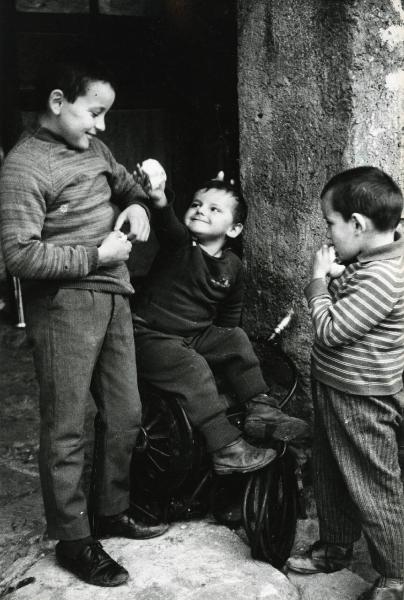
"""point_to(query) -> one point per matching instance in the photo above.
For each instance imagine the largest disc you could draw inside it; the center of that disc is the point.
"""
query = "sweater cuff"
(142, 204)
(92, 257)
(316, 287)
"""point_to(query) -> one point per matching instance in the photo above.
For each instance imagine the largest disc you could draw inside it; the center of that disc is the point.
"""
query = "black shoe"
(241, 457)
(321, 558)
(93, 565)
(123, 525)
(383, 593)
(264, 421)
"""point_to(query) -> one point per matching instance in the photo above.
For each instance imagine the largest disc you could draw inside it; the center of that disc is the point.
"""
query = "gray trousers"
(357, 479)
(83, 340)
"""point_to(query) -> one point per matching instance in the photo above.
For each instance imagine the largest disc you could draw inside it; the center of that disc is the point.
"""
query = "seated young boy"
(187, 317)
(357, 366)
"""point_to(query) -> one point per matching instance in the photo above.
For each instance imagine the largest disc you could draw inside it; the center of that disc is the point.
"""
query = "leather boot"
(379, 592)
(321, 557)
(241, 457)
(264, 420)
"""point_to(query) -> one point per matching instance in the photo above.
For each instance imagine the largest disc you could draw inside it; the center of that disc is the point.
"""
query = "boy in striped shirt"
(357, 366)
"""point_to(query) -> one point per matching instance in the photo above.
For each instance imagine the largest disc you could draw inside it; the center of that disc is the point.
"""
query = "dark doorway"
(175, 64)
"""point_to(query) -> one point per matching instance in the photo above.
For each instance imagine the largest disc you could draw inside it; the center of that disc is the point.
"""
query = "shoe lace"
(98, 552)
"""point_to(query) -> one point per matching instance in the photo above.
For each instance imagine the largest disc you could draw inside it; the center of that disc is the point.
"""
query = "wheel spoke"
(155, 463)
(158, 451)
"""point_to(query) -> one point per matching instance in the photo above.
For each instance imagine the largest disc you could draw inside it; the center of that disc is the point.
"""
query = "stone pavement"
(198, 560)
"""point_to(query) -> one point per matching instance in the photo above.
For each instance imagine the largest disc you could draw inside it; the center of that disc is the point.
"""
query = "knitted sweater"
(359, 324)
(55, 209)
(187, 289)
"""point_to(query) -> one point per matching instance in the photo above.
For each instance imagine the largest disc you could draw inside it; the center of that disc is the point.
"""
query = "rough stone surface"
(343, 585)
(198, 560)
(320, 90)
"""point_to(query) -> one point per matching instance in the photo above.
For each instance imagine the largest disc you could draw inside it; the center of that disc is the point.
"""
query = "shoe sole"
(313, 570)
(258, 429)
(229, 470)
(105, 536)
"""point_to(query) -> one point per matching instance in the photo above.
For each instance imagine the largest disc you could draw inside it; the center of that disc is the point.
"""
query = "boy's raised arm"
(369, 296)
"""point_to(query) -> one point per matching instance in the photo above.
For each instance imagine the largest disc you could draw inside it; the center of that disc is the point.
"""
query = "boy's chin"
(80, 144)
(195, 229)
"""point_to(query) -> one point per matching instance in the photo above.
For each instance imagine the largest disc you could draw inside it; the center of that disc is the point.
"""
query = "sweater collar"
(46, 135)
(386, 252)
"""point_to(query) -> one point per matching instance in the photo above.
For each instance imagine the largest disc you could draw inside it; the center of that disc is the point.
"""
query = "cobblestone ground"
(21, 520)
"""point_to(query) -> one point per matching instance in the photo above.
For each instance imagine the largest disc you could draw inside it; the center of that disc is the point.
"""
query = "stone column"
(320, 90)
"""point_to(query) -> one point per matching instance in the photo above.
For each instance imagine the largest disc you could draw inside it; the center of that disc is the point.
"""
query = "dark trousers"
(83, 340)
(357, 481)
(183, 366)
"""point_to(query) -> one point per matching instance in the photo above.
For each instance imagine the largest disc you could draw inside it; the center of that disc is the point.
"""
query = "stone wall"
(319, 91)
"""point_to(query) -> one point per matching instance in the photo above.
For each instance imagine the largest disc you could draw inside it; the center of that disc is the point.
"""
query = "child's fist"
(115, 248)
(155, 172)
(152, 178)
(336, 270)
(325, 263)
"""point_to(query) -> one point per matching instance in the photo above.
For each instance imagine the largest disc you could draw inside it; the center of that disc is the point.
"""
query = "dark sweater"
(55, 209)
(187, 289)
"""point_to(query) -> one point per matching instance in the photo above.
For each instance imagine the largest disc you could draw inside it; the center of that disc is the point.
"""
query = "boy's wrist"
(316, 287)
(159, 201)
(318, 274)
(167, 201)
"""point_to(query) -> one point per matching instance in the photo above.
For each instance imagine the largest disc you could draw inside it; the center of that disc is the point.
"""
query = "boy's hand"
(115, 248)
(324, 263)
(139, 224)
(152, 178)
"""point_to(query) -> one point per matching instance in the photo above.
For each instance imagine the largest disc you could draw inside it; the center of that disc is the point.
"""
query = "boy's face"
(211, 215)
(78, 121)
(344, 235)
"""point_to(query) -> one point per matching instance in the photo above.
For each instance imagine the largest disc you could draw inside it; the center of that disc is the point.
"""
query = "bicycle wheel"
(269, 511)
(164, 451)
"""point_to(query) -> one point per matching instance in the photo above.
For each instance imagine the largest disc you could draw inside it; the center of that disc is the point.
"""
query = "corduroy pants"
(183, 366)
(357, 481)
(83, 340)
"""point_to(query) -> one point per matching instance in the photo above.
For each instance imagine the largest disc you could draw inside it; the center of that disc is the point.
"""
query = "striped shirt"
(55, 210)
(359, 324)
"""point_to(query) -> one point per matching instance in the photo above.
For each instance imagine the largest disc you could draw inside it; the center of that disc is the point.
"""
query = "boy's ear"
(360, 222)
(55, 102)
(234, 230)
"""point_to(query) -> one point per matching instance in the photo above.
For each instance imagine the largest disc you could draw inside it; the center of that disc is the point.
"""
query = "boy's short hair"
(240, 209)
(71, 76)
(368, 191)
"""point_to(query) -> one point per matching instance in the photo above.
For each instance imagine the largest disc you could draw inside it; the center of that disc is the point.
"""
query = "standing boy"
(357, 366)
(56, 189)
(187, 322)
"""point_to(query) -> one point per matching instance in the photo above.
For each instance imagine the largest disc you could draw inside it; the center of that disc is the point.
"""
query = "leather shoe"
(264, 420)
(93, 565)
(321, 558)
(241, 457)
(123, 525)
(383, 593)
